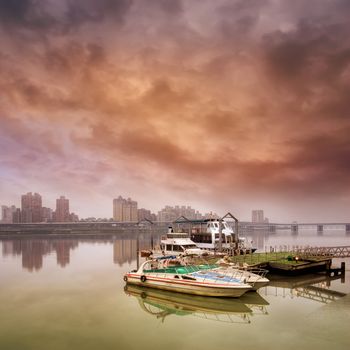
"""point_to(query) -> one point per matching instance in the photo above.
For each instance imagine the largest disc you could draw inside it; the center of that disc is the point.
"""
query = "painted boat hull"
(188, 287)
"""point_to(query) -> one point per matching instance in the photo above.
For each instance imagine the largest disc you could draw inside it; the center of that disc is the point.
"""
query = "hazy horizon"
(224, 106)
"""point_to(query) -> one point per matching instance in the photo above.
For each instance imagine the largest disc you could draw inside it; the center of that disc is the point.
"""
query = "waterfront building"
(125, 210)
(258, 216)
(31, 208)
(62, 210)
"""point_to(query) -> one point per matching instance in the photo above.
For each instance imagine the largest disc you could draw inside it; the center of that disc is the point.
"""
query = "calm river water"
(61, 293)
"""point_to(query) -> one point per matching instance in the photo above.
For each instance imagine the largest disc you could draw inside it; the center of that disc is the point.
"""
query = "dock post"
(342, 272)
(138, 252)
(342, 267)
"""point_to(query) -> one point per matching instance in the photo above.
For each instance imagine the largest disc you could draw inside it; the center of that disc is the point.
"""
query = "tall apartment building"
(62, 210)
(125, 210)
(258, 216)
(31, 208)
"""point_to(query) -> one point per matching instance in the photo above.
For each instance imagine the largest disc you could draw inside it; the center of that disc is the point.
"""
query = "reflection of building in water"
(62, 249)
(124, 251)
(34, 250)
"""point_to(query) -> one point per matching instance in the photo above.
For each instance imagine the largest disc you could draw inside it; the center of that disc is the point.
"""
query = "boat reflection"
(164, 303)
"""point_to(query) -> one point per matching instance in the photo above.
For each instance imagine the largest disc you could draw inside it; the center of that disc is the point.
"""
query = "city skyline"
(223, 106)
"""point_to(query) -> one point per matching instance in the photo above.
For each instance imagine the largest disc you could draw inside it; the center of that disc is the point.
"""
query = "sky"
(225, 105)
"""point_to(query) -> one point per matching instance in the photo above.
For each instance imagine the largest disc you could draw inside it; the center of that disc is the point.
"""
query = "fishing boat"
(167, 273)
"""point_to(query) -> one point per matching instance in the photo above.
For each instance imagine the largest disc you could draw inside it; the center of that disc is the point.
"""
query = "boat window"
(176, 276)
(177, 248)
(201, 238)
(169, 247)
(216, 225)
(222, 237)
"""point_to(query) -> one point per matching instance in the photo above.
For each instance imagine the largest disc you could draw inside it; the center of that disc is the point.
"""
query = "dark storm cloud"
(25, 14)
(41, 17)
(82, 11)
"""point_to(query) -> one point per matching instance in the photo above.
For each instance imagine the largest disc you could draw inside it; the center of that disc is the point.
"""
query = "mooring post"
(137, 252)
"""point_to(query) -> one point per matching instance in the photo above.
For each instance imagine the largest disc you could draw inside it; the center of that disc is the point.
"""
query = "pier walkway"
(334, 252)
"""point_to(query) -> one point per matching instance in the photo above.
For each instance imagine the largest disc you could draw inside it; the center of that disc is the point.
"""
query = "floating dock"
(288, 263)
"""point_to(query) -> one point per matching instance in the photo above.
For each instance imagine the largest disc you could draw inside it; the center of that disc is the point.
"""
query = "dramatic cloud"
(224, 105)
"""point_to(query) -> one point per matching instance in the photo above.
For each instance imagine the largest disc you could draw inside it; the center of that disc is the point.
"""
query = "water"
(68, 294)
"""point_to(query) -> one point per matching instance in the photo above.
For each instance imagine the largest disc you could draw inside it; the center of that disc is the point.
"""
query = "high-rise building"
(125, 210)
(258, 216)
(62, 210)
(31, 207)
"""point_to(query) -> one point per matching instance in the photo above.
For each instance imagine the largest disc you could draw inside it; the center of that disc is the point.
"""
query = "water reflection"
(162, 304)
(34, 250)
(313, 287)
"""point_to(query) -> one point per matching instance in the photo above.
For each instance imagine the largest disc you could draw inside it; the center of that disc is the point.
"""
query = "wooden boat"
(197, 280)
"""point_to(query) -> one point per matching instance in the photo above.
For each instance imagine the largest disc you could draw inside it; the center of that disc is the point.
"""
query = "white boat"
(255, 277)
(177, 243)
(206, 235)
(199, 280)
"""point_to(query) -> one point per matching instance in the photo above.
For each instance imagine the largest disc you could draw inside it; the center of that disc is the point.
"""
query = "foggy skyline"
(221, 105)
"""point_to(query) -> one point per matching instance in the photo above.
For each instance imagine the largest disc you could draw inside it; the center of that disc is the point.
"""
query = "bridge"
(293, 227)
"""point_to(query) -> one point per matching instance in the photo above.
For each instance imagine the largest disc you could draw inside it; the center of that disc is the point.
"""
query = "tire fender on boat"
(125, 278)
(143, 278)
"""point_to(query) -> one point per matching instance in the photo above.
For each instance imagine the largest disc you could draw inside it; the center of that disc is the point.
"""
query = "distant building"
(31, 208)
(73, 217)
(62, 210)
(211, 215)
(7, 213)
(258, 216)
(46, 214)
(168, 213)
(125, 210)
(17, 216)
(146, 214)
